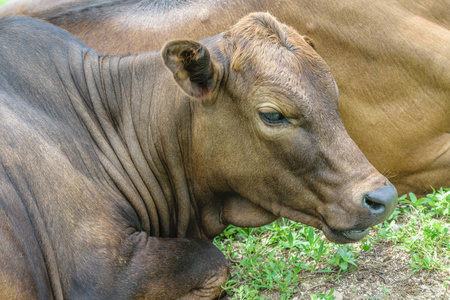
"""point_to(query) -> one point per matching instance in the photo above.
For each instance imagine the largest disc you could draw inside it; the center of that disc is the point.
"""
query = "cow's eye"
(273, 117)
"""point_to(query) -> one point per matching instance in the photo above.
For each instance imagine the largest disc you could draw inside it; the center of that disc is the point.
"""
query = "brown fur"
(387, 59)
(116, 170)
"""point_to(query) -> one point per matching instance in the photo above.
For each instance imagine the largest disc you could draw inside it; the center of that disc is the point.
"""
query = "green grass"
(425, 232)
(277, 256)
(3, 2)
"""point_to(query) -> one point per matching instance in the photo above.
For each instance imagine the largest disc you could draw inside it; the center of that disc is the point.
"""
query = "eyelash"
(273, 118)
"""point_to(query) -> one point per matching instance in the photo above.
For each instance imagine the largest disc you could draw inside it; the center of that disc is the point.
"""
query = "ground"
(383, 273)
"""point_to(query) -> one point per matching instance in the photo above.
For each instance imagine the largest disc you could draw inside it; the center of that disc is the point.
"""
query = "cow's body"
(114, 171)
(390, 60)
(76, 214)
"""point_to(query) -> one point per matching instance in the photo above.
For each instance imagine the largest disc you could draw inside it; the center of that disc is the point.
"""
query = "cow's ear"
(310, 41)
(191, 66)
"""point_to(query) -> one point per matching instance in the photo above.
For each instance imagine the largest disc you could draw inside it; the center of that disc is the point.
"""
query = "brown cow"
(115, 171)
(390, 60)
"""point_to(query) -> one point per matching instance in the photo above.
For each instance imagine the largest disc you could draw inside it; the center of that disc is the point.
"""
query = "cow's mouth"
(355, 235)
(343, 236)
(347, 236)
(332, 233)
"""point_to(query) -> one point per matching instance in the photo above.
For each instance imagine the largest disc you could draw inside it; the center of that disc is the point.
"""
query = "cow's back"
(47, 158)
(26, 7)
(42, 88)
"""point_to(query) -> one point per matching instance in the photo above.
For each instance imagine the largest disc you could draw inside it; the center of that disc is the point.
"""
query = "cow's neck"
(142, 127)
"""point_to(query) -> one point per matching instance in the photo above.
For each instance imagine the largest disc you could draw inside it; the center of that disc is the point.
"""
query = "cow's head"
(267, 138)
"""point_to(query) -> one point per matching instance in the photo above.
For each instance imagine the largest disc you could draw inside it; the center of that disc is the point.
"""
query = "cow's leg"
(145, 267)
(177, 268)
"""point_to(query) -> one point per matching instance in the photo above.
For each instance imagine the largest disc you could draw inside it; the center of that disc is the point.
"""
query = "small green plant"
(329, 296)
(439, 202)
(244, 292)
(446, 285)
(313, 246)
(344, 258)
(366, 244)
(434, 204)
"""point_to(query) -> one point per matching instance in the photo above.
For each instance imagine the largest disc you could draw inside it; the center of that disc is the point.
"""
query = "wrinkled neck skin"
(140, 123)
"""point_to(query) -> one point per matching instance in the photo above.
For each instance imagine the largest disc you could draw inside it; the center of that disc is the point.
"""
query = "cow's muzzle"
(377, 205)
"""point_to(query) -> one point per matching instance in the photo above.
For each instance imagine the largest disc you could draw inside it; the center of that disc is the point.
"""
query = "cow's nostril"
(382, 202)
(373, 206)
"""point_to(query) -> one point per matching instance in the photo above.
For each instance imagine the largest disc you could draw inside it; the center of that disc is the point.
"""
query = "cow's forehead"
(259, 40)
(262, 49)
(297, 79)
